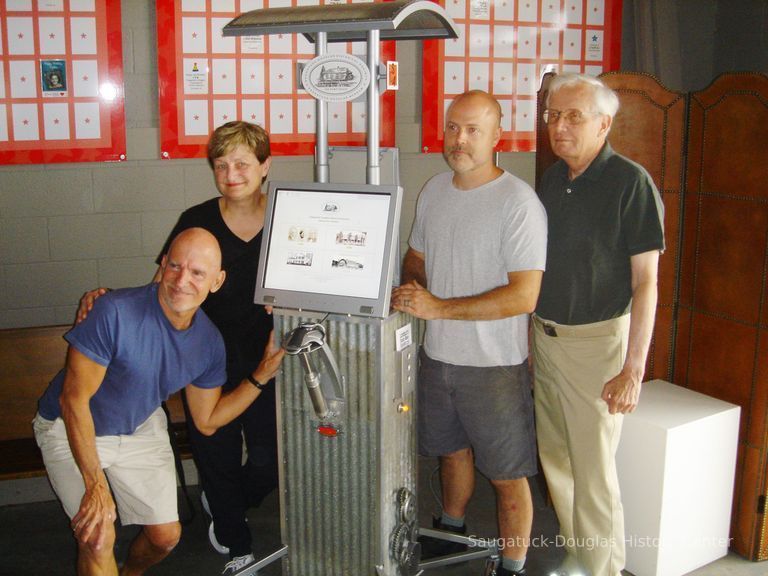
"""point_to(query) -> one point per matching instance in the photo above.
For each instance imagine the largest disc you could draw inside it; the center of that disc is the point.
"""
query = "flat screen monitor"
(329, 247)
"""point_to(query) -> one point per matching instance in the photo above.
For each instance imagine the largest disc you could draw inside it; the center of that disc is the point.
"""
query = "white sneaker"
(220, 548)
(237, 564)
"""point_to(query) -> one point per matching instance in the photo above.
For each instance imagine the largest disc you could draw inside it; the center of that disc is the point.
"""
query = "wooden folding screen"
(649, 129)
(722, 339)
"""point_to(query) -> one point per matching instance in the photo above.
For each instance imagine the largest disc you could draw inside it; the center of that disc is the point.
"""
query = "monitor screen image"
(329, 247)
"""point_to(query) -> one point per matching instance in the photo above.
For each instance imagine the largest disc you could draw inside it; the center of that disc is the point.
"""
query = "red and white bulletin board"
(505, 47)
(207, 80)
(61, 81)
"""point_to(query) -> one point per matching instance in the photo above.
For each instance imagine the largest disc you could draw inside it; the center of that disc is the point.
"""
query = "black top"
(244, 325)
(596, 222)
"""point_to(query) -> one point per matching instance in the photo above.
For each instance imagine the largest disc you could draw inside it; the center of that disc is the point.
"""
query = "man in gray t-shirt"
(473, 271)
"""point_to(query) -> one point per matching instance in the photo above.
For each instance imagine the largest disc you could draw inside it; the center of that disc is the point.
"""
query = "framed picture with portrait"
(53, 77)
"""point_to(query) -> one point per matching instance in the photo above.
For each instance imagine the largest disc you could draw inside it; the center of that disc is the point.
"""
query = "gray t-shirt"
(470, 240)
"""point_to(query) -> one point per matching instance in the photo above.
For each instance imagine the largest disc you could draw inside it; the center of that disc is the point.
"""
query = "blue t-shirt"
(147, 359)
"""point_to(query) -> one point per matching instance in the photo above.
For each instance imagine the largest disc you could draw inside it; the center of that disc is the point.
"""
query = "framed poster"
(206, 80)
(505, 47)
(61, 81)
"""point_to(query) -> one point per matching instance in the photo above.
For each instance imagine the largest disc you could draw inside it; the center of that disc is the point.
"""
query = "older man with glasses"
(594, 318)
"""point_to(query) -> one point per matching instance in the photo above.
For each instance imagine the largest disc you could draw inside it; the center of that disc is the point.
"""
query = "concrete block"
(48, 284)
(144, 50)
(128, 62)
(138, 188)
(293, 168)
(521, 164)
(124, 272)
(141, 103)
(138, 13)
(45, 192)
(24, 317)
(95, 236)
(416, 169)
(23, 240)
(408, 138)
(65, 314)
(407, 215)
(198, 183)
(408, 99)
(155, 227)
(142, 143)
(3, 289)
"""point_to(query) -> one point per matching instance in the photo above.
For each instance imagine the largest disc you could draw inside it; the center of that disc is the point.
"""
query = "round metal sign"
(336, 77)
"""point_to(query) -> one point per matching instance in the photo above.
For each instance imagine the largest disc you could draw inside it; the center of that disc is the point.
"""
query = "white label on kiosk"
(403, 338)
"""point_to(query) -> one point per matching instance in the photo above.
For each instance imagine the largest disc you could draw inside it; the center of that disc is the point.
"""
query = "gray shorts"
(487, 409)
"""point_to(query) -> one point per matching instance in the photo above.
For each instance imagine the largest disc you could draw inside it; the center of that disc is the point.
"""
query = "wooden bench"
(29, 359)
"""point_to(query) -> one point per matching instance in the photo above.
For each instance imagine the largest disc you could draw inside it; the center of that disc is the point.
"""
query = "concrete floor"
(36, 540)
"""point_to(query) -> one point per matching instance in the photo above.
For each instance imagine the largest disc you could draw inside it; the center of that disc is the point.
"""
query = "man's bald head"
(190, 271)
(472, 131)
(200, 240)
(479, 98)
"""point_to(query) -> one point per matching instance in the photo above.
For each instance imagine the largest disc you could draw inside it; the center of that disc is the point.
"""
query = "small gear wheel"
(406, 505)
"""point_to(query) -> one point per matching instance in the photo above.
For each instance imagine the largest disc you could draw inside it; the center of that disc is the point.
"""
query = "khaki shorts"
(140, 469)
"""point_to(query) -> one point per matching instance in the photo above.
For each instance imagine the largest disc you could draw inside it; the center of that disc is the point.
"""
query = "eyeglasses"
(572, 116)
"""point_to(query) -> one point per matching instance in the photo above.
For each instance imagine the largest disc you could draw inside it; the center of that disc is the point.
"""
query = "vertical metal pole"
(322, 170)
(372, 168)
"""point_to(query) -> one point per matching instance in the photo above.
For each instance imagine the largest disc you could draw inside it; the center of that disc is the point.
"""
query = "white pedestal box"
(676, 464)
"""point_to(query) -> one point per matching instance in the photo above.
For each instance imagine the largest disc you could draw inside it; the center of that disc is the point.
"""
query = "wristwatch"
(255, 382)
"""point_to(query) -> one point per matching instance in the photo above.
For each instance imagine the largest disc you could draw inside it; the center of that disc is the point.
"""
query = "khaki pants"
(578, 438)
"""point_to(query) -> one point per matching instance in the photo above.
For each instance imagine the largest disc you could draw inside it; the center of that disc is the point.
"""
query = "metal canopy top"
(400, 20)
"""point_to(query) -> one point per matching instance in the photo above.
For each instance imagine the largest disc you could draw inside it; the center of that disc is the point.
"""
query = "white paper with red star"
(505, 47)
(52, 35)
(79, 115)
(206, 80)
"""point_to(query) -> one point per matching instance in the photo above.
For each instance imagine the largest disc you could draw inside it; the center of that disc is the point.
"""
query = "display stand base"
(490, 552)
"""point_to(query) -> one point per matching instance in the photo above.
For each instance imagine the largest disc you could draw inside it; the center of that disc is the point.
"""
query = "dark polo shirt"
(596, 222)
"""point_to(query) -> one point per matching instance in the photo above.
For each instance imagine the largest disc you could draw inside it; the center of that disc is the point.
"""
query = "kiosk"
(345, 400)
(346, 395)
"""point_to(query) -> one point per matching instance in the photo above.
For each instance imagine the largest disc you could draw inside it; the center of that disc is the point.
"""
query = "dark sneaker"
(434, 547)
(501, 571)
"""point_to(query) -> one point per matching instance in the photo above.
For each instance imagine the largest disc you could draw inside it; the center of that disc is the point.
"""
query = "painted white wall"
(65, 228)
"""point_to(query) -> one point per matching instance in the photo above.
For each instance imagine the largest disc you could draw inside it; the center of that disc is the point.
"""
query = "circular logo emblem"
(336, 77)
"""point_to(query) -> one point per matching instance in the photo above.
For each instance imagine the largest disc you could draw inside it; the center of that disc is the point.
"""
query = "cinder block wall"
(65, 228)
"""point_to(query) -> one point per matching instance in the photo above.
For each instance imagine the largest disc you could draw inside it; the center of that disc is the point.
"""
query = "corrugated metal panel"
(338, 494)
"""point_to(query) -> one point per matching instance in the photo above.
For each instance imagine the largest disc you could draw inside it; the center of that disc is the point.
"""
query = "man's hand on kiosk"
(86, 303)
(416, 300)
(96, 515)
